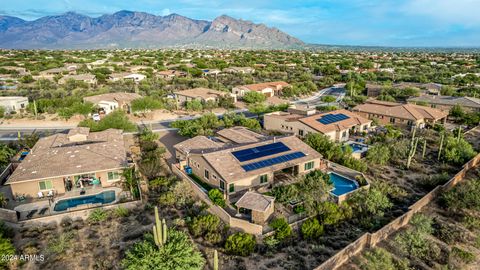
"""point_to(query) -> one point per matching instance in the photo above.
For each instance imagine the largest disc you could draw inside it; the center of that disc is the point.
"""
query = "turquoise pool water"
(356, 147)
(342, 184)
(103, 198)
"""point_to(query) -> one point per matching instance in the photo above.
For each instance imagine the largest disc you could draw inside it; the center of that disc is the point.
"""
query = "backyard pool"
(342, 184)
(358, 147)
(103, 198)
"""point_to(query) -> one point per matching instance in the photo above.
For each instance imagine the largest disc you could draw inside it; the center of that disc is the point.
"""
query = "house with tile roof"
(63, 163)
(112, 101)
(401, 115)
(237, 168)
(201, 94)
(336, 125)
(269, 89)
(446, 103)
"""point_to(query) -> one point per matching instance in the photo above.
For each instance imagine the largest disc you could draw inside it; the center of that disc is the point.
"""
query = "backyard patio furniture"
(40, 194)
(50, 193)
(42, 212)
(82, 191)
(31, 213)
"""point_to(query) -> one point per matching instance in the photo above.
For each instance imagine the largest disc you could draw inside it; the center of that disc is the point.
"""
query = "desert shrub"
(370, 202)
(179, 253)
(207, 226)
(422, 224)
(240, 243)
(466, 195)
(414, 245)
(182, 193)
(471, 222)
(282, 229)
(97, 215)
(271, 242)
(121, 211)
(329, 213)
(254, 97)
(61, 243)
(464, 256)
(378, 259)
(457, 151)
(167, 199)
(311, 229)
(216, 196)
(448, 233)
(6, 231)
(431, 181)
(378, 154)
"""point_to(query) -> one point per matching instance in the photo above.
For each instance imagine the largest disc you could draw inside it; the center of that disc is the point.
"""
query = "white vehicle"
(96, 117)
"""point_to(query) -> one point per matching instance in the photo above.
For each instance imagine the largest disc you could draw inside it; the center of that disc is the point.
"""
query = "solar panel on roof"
(332, 118)
(260, 151)
(272, 161)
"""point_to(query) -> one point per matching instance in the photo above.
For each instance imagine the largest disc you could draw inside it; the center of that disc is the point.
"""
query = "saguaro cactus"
(157, 230)
(412, 152)
(215, 260)
(441, 146)
(424, 147)
(164, 231)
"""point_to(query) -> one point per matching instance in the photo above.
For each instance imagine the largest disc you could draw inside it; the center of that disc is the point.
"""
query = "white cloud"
(166, 11)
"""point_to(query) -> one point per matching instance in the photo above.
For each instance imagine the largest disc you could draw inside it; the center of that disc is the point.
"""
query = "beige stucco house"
(237, 168)
(62, 163)
(401, 115)
(269, 89)
(14, 104)
(201, 94)
(112, 101)
(336, 125)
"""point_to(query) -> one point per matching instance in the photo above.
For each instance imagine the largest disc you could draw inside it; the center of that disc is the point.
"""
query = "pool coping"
(90, 205)
(354, 181)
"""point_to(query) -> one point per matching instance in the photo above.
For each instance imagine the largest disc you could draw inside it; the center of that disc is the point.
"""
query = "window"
(45, 185)
(300, 132)
(344, 134)
(231, 188)
(263, 178)
(222, 185)
(207, 174)
(392, 120)
(113, 176)
(309, 165)
(214, 176)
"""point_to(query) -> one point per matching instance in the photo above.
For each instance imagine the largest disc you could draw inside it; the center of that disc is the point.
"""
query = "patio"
(33, 208)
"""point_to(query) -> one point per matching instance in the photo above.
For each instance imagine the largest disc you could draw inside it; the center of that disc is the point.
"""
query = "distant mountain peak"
(131, 29)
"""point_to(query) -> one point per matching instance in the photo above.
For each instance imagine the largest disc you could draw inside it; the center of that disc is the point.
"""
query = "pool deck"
(25, 208)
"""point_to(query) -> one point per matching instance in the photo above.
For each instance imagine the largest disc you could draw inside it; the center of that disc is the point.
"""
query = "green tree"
(328, 99)
(378, 154)
(378, 259)
(370, 202)
(194, 105)
(178, 253)
(281, 228)
(241, 244)
(458, 150)
(146, 104)
(311, 229)
(6, 153)
(216, 196)
(116, 119)
(254, 97)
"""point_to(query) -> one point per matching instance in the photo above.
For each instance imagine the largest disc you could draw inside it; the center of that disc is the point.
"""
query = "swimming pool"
(103, 198)
(357, 147)
(342, 184)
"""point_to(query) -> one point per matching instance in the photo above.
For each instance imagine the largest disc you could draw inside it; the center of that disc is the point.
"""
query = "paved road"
(337, 91)
(11, 134)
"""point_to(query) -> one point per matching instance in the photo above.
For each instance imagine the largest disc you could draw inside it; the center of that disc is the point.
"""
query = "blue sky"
(441, 23)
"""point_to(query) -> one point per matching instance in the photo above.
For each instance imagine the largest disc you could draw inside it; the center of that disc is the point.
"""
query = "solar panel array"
(332, 118)
(260, 151)
(272, 161)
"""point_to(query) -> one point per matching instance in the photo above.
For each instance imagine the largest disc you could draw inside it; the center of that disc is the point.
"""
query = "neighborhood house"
(336, 125)
(269, 89)
(77, 160)
(201, 94)
(401, 115)
(238, 168)
(112, 101)
(14, 104)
